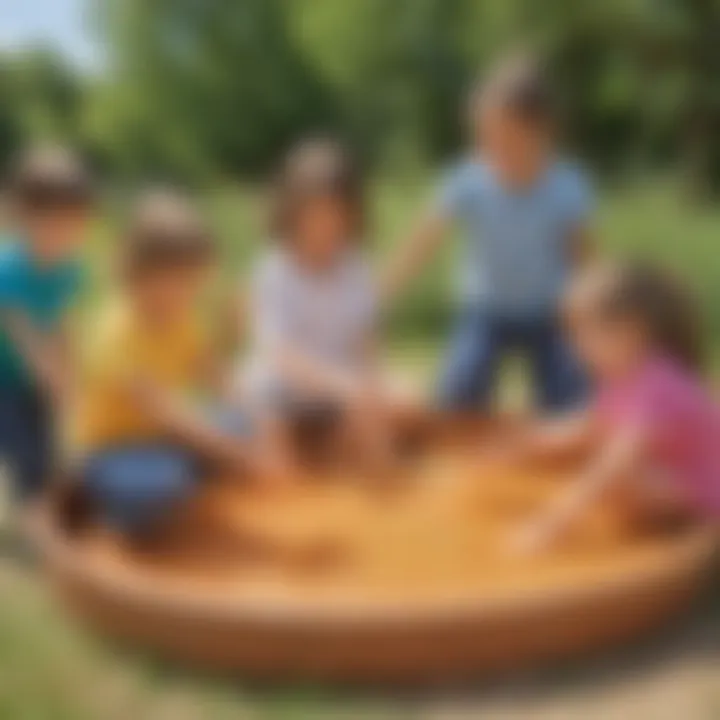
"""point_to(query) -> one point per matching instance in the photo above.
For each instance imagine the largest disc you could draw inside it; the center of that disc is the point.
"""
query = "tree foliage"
(201, 88)
(40, 99)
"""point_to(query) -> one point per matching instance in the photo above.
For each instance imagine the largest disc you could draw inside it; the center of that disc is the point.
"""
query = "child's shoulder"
(17, 262)
(464, 180)
(115, 329)
(274, 265)
(568, 172)
(670, 384)
(112, 321)
(13, 255)
(468, 168)
(105, 337)
(358, 265)
(661, 369)
(14, 268)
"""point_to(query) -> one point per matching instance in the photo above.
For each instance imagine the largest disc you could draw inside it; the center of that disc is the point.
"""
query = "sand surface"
(438, 529)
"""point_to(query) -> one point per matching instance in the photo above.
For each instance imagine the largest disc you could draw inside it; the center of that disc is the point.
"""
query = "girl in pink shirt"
(655, 427)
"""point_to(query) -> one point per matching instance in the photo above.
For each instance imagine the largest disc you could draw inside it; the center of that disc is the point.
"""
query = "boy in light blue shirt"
(40, 274)
(524, 214)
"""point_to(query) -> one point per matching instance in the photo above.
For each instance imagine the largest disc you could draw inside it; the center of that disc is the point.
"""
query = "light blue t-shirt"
(42, 293)
(516, 256)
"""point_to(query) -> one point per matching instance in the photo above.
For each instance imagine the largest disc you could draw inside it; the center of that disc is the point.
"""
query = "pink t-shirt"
(683, 424)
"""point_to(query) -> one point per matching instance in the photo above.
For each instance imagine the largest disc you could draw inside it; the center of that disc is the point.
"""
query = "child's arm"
(47, 354)
(564, 435)
(582, 246)
(183, 422)
(580, 205)
(450, 203)
(313, 373)
(529, 439)
(414, 254)
(619, 457)
(213, 374)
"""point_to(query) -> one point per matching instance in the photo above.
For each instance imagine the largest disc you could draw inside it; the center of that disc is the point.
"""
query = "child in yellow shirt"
(144, 444)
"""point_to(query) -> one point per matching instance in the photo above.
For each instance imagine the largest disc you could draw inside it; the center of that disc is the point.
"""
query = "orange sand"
(439, 532)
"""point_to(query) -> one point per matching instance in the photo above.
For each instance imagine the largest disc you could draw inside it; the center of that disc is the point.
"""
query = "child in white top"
(302, 317)
(312, 310)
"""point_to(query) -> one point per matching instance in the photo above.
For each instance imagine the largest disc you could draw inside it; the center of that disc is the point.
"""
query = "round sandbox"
(340, 580)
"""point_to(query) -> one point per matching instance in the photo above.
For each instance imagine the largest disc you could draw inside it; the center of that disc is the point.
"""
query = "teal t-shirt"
(42, 293)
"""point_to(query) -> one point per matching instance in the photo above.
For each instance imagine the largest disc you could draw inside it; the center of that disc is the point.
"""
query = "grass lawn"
(51, 670)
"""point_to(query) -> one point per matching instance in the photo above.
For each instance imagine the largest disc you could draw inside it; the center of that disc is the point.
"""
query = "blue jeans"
(478, 343)
(26, 440)
(135, 486)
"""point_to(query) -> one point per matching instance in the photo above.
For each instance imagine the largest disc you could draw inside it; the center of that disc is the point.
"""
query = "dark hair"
(664, 307)
(313, 169)
(520, 83)
(165, 232)
(46, 179)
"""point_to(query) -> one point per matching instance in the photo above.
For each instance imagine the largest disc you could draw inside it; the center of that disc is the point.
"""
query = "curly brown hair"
(313, 169)
(660, 303)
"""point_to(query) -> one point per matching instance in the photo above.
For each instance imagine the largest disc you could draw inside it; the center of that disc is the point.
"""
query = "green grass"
(51, 670)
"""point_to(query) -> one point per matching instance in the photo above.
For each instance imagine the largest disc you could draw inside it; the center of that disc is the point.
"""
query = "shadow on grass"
(693, 639)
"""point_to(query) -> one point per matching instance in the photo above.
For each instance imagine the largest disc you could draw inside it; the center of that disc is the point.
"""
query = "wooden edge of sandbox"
(687, 560)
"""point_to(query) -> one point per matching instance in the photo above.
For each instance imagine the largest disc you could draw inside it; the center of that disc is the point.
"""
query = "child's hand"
(533, 538)
(502, 454)
(350, 388)
(261, 472)
(271, 472)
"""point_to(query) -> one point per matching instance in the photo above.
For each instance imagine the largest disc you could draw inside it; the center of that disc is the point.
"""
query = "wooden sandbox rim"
(690, 555)
(378, 642)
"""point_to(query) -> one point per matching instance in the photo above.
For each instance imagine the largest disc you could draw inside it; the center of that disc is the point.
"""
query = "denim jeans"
(26, 440)
(479, 341)
(136, 485)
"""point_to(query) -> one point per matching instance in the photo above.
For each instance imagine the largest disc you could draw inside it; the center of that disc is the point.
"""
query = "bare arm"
(582, 246)
(311, 372)
(612, 464)
(560, 436)
(47, 354)
(183, 422)
(413, 255)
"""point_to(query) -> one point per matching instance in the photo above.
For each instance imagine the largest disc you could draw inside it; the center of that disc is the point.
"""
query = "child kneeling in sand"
(654, 424)
(313, 313)
(145, 445)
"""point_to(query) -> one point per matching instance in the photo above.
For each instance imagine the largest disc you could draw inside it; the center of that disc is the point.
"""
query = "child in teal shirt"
(40, 274)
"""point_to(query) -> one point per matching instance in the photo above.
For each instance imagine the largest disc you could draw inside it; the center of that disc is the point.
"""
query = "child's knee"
(135, 491)
(468, 373)
(463, 389)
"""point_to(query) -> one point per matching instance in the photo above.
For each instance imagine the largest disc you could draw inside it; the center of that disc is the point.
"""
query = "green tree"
(40, 99)
(204, 86)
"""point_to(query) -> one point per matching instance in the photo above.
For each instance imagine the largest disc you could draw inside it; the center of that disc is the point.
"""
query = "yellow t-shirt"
(123, 350)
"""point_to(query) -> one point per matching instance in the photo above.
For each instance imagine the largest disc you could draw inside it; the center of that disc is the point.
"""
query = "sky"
(61, 24)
